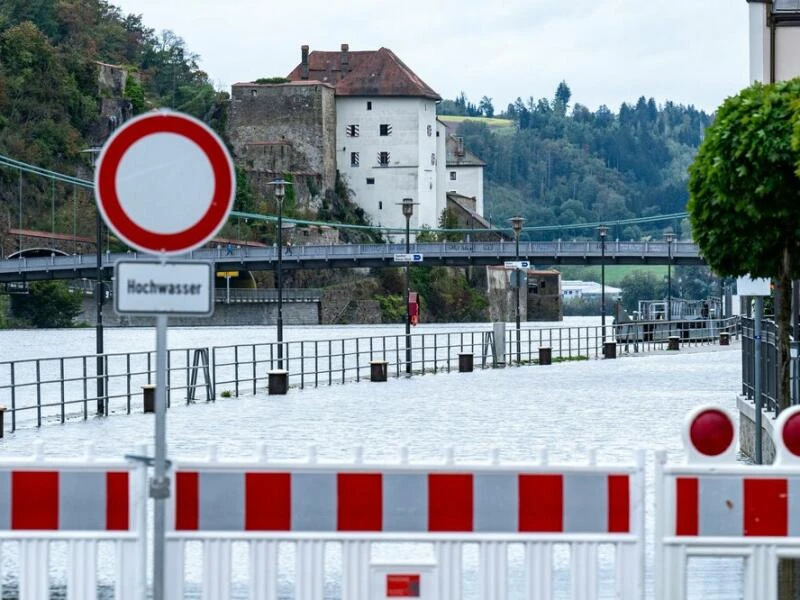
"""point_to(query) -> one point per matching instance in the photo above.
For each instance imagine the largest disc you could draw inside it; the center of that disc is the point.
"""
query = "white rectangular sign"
(146, 287)
(517, 264)
(408, 258)
(745, 286)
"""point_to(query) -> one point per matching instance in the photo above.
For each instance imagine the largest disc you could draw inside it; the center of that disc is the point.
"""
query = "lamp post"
(669, 237)
(408, 209)
(602, 231)
(280, 192)
(99, 293)
(516, 225)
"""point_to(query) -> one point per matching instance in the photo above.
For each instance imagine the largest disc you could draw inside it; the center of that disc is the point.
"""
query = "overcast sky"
(608, 51)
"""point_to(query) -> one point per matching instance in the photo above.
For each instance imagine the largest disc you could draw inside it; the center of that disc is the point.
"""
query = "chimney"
(345, 58)
(304, 62)
(459, 146)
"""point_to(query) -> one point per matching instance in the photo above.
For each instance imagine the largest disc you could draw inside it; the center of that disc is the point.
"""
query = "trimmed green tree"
(51, 304)
(744, 197)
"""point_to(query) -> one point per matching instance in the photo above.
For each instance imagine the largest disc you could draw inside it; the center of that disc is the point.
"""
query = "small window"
(380, 205)
(254, 92)
(386, 129)
(452, 175)
(383, 159)
(370, 181)
(430, 131)
(369, 105)
(351, 131)
(354, 159)
(542, 284)
(433, 159)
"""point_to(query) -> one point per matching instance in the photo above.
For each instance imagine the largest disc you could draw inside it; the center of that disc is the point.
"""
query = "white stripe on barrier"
(174, 552)
(264, 570)
(216, 569)
(493, 570)
(82, 569)
(448, 559)
(310, 570)
(539, 569)
(34, 581)
(355, 570)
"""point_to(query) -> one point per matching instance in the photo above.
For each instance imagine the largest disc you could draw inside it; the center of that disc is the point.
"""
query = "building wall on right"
(780, 20)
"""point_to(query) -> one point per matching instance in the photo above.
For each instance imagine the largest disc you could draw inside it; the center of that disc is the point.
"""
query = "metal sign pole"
(159, 484)
(759, 313)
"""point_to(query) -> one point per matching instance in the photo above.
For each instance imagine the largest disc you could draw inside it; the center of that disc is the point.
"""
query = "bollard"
(545, 355)
(465, 360)
(674, 343)
(278, 381)
(609, 349)
(724, 338)
(149, 398)
(378, 370)
(2, 427)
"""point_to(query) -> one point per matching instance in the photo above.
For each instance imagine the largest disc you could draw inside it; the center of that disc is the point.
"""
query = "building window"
(430, 131)
(254, 92)
(452, 175)
(370, 181)
(383, 159)
(386, 129)
(351, 131)
(369, 105)
(380, 205)
(354, 159)
(433, 159)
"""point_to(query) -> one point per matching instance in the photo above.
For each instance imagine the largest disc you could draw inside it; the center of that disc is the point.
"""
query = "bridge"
(348, 256)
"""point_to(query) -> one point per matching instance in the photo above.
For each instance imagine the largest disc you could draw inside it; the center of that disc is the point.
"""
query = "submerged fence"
(52, 390)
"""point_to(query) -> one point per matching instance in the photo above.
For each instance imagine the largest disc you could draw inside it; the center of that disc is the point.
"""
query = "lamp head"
(669, 237)
(280, 188)
(516, 224)
(408, 207)
(602, 231)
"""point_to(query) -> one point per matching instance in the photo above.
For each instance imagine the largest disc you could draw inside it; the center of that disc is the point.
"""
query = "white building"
(571, 289)
(389, 144)
(774, 40)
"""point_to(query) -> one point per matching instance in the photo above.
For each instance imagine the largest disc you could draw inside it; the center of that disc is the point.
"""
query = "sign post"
(164, 184)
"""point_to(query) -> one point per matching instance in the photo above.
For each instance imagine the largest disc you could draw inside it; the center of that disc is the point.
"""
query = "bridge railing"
(52, 390)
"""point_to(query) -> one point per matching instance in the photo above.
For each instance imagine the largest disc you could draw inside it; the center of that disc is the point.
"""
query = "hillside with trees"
(565, 164)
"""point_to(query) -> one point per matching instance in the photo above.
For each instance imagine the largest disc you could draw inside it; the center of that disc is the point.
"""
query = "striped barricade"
(448, 504)
(713, 506)
(83, 502)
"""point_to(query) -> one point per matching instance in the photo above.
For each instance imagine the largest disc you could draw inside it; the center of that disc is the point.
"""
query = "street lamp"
(516, 225)
(602, 231)
(280, 192)
(669, 237)
(408, 209)
(99, 293)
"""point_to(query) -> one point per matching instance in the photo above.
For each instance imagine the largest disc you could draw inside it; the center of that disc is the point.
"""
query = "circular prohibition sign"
(165, 183)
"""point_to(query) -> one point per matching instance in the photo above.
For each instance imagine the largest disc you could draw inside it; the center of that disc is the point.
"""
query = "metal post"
(408, 298)
(159, 484)
(759, 313)
(669, 236)
(280, 190)
(603, 231)
(99, 297)
(516, 224)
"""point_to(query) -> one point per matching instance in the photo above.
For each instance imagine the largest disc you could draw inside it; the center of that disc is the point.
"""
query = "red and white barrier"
(448, 504)
(82, 502)
(715, 506)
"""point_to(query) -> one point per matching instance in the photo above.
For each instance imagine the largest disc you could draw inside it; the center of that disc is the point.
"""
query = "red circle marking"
(711, 432)
(197, 233)
(791, 434)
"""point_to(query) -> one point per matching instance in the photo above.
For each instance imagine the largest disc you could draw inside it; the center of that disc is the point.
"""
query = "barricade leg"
(493, 570)
(629, 570)
(127, 584)
(448, 558)
(761, 573)
(671, 574)
(539, 569)
(583, 570)
(355, 570)
(264, 570)
(216, 569)
(34, 580)
(82, 569)
(173, 568)
(310, 571)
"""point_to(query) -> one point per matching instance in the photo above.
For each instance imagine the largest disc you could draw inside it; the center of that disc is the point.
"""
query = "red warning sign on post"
(402, 586)
(165, 183)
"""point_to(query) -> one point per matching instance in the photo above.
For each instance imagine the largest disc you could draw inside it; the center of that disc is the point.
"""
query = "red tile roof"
(365, 73)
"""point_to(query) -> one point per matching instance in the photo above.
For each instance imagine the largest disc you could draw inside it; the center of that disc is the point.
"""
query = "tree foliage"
(50, 304)
(744, 201)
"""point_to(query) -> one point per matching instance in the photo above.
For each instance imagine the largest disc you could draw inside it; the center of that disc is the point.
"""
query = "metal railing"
(247, 295)
(648, 336)
(45, 390)
(769, 365)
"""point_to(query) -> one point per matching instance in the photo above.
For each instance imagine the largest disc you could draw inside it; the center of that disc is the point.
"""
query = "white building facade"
(774, 40)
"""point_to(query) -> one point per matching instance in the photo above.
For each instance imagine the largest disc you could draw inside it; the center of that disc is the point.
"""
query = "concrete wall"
(294, 313)
(747, 431)
(787, 46)
(468, 182)
(285, 128)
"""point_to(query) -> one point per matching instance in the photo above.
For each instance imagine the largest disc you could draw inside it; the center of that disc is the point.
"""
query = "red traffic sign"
(164, 183)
